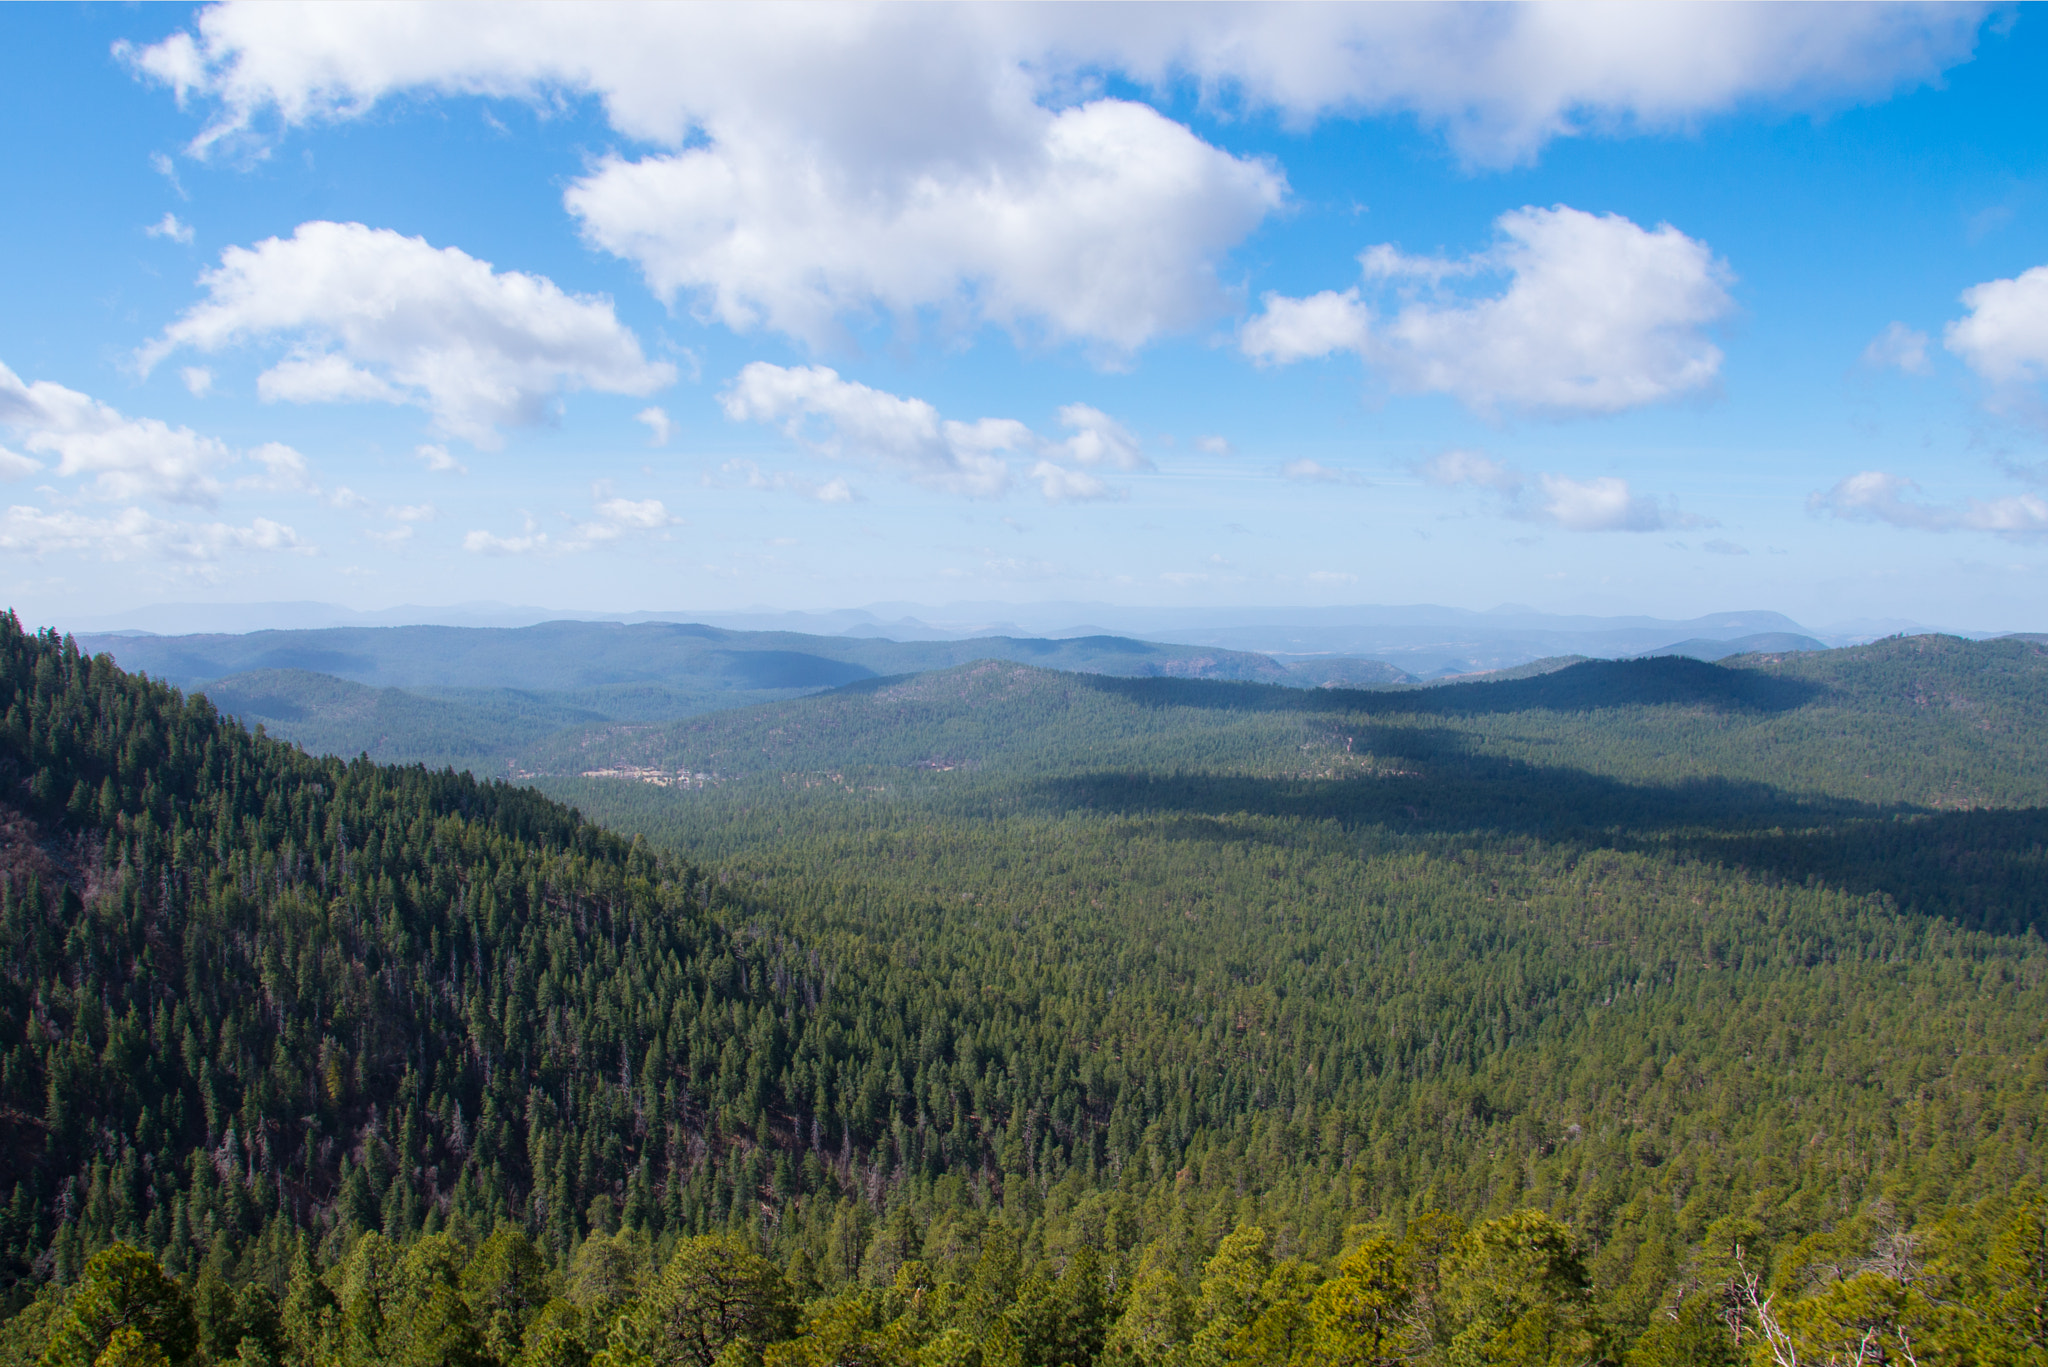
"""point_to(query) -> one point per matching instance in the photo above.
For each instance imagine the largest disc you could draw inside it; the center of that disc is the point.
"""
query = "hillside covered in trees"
(480, 697)
(1659, 1012)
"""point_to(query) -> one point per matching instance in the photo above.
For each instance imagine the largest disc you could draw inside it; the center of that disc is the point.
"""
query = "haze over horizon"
(1660, 312)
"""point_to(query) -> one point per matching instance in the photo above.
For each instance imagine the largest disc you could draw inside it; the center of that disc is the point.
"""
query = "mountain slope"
(476, 697)
(278, 1019)
(556, 656)
(1960, 720)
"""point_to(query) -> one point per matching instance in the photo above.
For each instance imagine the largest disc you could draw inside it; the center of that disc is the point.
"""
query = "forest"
(1635, 1012)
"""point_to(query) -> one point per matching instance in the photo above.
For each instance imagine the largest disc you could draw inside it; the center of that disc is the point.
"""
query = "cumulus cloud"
(436, 458)
(198, 380)
(1602, 504)
(114, 458)
(2004, 338)
(893, 159)
(369, 315)
(1098, 440)
(612, 519)
(618, 517)
(1215, 446)
(487, 543)
(283, 469)
(946, 159)
(1500, 82)
(656, 421)
(1290, 330)
(1101, 222)
(1598, 315)
(121, 457)
(1898, 346)
(1876, 496)
(1061, 485)
(132, 534)
(842, 419)
(169, 226)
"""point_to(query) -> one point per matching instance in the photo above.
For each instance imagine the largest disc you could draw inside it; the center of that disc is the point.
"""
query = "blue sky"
(1663, 309)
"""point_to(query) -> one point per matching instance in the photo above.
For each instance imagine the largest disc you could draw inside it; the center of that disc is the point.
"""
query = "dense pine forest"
(1656, 1012)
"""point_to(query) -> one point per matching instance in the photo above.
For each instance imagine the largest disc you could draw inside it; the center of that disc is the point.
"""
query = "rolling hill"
(564, 656)
(1002, 1015)
(478, 698)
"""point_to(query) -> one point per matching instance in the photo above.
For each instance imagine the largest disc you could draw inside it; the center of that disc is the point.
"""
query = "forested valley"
(1650, 1012)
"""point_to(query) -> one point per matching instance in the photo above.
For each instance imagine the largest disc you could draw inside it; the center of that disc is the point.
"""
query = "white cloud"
(844, 420)
(1900, 346)
(1502, 81)
(1599, 315)
(1604, 503)
(612, 519)
(372, 315)
(1098, 440)
(906, 80)
(437, 459)
(132, 534)
(917, 161)
(1875, 496)
(2005, 337)
(1215, 446)
(14, 465)
(168, 169)
(1101, 222)
(615, 518)
(659, 428)
(1305, 329)
(1718, 546)
(644, 513)
(484, 543)
(198, 380)
(1470, 467)
(169, 226)
(1061, 485)
(835, 490)
(123, 457)
(949, 159)
(283, 469)
(314, 378)
(1314, 472)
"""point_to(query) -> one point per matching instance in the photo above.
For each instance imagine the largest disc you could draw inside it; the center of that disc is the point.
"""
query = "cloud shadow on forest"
(1983, 870)
(1666, 681)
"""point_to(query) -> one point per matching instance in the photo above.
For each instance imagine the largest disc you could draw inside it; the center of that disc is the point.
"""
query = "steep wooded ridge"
(1211, 1050)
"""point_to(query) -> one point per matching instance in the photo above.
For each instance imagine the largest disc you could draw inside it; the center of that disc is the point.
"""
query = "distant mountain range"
(1762, 643)
(491, 698)
(1421, 641)
(474, 697)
